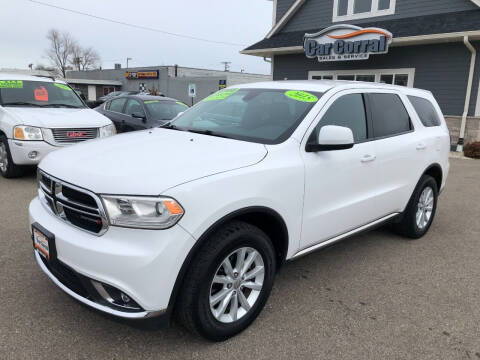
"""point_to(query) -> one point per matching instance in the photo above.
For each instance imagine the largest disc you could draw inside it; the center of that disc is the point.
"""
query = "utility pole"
(226, 64)
(128, 58)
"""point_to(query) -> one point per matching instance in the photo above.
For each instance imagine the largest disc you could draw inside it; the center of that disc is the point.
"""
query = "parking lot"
(375, 296)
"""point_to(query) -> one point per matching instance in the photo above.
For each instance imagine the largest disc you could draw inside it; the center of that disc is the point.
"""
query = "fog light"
(32, 155)
(125, 298)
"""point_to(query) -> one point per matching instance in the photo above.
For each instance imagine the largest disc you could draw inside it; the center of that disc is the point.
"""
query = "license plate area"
(44, 242)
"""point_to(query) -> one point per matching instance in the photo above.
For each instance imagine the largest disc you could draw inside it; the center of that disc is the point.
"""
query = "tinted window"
(267, 116)
(389, 115)
(425, 110)
(117, 105)
(38, 94)
(347, 111)
(164, 110)
(134, 107)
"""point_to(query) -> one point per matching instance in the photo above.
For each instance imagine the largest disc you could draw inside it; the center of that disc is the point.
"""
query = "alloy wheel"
(425, 207)
(3, 158)
(236, 285)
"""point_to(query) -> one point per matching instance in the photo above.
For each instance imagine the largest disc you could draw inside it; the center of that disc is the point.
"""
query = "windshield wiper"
(169, 125)
(21, 103)
(208, 132)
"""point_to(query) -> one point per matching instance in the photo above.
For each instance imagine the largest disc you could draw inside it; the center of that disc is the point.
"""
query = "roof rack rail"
(45, 76)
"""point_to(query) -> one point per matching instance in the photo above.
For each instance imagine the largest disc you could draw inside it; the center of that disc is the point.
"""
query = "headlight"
(27, 133)
(107, 131)
(142, 212)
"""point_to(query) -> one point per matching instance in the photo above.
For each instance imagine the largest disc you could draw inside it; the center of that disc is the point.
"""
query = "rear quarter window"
(425, 110)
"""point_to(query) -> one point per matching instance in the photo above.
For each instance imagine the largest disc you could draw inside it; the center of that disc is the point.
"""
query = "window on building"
(425, 110)
(389, 115)
(342, 7)
(346, 77)
(403, 77)
(368, 78)
(359, 9)
(117, 105)
(347, 111)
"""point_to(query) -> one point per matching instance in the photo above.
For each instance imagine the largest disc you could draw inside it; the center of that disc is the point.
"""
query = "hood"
(148, 162)
(57, 117)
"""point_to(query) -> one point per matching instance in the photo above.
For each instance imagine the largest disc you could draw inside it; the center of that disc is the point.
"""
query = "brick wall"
(472, 130)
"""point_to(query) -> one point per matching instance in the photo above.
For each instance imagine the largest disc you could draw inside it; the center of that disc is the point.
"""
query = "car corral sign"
(346, 42)
(148, 74)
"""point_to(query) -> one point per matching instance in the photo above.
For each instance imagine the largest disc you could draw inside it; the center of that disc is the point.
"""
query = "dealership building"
(428, 44)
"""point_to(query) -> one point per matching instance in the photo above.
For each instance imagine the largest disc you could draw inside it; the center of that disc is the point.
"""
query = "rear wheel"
(420, 211)
(228, 283)
(7, 168)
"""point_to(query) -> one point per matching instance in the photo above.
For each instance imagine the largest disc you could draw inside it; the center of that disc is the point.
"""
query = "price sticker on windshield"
(301, 96)
(221, 95)
(11, 84)
(41, 94)
(63, 87)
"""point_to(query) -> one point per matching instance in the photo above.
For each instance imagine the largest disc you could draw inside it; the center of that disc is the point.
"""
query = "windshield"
(38, 93)
(164, 110)
(266, 116)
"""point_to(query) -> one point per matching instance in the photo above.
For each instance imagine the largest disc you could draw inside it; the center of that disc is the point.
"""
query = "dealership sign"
(346, 42)
(148, 74)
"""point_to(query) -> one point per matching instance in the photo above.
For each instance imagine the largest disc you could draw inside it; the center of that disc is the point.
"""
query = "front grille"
(76, 206)
(68, 136)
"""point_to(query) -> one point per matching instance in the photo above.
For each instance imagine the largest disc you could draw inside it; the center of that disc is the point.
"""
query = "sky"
(24, 26)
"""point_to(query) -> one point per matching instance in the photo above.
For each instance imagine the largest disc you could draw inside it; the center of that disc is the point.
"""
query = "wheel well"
(274, 226)
(265, 219)
(435, 171)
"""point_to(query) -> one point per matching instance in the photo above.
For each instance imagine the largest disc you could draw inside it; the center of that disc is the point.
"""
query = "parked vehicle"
(39, 115)
(199, 215)
(113, 94)
(140, 112)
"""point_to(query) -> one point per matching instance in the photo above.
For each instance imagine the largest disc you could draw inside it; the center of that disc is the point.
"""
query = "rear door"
(399, 149)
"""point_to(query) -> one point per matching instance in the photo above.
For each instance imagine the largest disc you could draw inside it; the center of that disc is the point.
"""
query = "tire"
(409, 226)
(194, 309)
(7, 168)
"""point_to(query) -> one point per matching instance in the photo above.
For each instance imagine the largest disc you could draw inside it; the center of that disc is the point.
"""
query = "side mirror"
(139, 116)
(332, 137)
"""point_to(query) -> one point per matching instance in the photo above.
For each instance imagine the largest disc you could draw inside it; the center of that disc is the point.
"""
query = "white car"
(196, 217)
(39, 115)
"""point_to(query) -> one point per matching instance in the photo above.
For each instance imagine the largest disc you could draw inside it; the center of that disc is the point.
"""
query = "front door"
(340, 184)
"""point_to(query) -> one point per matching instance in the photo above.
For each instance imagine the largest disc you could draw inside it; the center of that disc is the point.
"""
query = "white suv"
(39, 115)
(196, 217)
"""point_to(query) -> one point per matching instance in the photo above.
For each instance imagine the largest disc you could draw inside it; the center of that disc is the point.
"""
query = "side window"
(117, 105)
(347, 111)
(425, 110)
(389, 115)
(107, 105)
(134, 107)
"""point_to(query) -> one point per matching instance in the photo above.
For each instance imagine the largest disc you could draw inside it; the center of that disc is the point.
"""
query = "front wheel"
(228, 282)
(7, 168)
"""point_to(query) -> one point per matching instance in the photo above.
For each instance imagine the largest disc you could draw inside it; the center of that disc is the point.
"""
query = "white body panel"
(319, 196)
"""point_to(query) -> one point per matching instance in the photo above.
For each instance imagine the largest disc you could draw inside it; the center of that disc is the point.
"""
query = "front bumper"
(143, 264)
(21, 149)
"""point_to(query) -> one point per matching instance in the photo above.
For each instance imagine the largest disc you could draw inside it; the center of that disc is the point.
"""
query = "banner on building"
(147, 74)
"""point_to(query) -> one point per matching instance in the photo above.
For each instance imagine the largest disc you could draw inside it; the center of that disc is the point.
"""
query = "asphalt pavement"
(374, 296)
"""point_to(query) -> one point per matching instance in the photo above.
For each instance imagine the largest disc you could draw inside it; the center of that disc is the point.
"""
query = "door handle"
(421, 146)
(367, 158)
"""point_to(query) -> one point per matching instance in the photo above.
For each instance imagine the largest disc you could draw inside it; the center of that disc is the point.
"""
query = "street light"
(128, 58)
